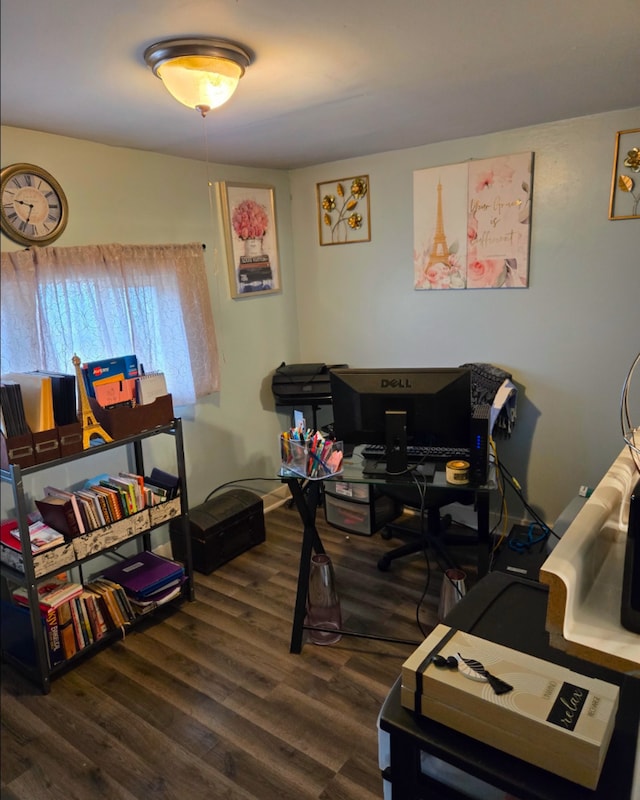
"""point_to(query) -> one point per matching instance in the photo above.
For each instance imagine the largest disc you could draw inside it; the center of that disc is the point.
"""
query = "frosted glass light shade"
(199, 81)
(199, 73)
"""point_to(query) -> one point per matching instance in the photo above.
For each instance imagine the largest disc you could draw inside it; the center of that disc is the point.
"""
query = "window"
(102, 301)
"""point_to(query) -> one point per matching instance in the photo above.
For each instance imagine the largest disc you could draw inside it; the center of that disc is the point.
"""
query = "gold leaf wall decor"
(343, 211)
(624, 202)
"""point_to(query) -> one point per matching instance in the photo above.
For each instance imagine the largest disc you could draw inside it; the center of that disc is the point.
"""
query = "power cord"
(513, 483)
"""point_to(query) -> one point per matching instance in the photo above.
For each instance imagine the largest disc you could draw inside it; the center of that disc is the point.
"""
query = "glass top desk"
(306, 496)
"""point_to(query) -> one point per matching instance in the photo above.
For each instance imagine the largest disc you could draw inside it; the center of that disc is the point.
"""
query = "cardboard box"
(553, 717)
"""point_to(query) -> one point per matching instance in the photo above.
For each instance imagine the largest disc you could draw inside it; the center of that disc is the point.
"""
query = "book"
(138, 484)
(107, 592)
(66, 630)
(59, 514)
(123, 600)
(42, 536)
(52, 491)
(54, 643)
(112, 500)
(88, 512)
(77, 623)
(51, 593)
(141, 607)
(166, 481)
(154, 494)
(83, 615)
(129, 492)
(96, 619)
(101, 503)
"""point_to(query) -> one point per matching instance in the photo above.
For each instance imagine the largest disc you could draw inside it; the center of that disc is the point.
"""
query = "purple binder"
(144, 573)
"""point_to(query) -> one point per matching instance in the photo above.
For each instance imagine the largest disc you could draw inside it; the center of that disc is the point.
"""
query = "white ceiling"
(331, 79)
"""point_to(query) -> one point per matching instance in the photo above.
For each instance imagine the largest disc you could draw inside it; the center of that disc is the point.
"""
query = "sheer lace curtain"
(102, 301)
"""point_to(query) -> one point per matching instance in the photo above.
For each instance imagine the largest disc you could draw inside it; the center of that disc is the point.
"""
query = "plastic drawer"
(358, 517)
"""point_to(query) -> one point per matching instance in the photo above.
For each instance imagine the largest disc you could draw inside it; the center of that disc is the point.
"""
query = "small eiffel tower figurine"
(439, 248)
(90, 426)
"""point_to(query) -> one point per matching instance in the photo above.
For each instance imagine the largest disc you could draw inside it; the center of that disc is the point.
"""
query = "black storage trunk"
(301, 384)
(221, 529)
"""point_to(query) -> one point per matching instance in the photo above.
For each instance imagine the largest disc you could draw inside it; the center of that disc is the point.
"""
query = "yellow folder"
(37, 399)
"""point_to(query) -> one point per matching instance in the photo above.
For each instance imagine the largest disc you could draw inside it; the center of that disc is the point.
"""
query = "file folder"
(37, 399)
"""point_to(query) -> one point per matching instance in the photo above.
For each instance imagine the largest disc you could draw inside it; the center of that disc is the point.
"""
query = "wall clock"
(34, 208)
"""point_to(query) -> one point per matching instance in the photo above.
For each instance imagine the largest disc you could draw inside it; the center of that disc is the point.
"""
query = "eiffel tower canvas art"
(472, 224)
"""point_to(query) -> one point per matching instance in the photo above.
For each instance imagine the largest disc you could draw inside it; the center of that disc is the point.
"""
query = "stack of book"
(149, 580)
(41, 535)
(76, 616)
(103, 500)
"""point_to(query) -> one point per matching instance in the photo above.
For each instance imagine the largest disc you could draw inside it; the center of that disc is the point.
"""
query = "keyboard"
(417, 453)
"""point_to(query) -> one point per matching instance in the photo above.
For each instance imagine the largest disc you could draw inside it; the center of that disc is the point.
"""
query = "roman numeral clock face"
(34, 207)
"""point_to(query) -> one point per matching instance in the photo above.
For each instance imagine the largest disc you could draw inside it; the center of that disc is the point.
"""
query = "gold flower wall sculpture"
(344, 210)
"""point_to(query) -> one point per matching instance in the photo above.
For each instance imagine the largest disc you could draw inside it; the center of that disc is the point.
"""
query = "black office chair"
(429, 528)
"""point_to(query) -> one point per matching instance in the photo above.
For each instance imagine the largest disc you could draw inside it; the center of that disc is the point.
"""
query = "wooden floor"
(209, 703)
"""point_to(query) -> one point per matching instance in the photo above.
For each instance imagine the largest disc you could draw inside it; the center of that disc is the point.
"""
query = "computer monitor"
(394, 407)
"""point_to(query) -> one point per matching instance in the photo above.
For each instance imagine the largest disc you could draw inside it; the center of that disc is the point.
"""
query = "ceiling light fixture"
(199, 73)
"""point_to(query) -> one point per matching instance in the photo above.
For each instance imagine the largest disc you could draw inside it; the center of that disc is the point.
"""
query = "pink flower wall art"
(472, 224)
(249, 218)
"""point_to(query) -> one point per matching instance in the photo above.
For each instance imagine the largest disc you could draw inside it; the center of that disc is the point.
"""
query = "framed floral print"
(343, 211)
(249, 218)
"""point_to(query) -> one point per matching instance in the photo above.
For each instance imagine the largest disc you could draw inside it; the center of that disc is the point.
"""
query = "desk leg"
(482, 511)
(307, 503)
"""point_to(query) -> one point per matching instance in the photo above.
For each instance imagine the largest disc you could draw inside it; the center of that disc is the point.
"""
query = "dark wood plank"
(205, 700)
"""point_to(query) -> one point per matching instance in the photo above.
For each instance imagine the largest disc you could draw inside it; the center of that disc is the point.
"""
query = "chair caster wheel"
(383, 564)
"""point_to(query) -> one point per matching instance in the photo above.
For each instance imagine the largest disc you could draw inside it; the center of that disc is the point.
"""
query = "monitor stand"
(396, 442)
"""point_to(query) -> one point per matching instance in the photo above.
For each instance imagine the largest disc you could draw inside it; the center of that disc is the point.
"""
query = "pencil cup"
(309, 459)
(453, 590)
(323, 603)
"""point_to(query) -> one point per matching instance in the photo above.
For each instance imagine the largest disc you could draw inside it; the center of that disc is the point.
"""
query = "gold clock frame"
(41, 241)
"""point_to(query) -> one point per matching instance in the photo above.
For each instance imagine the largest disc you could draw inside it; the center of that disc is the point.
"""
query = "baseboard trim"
(276, 498)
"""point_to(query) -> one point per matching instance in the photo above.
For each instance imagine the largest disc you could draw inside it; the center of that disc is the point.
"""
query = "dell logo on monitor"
(395, 383)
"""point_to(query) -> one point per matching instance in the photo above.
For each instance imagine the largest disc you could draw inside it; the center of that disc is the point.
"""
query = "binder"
(144, 573)
(63, 391)
(14, 422)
